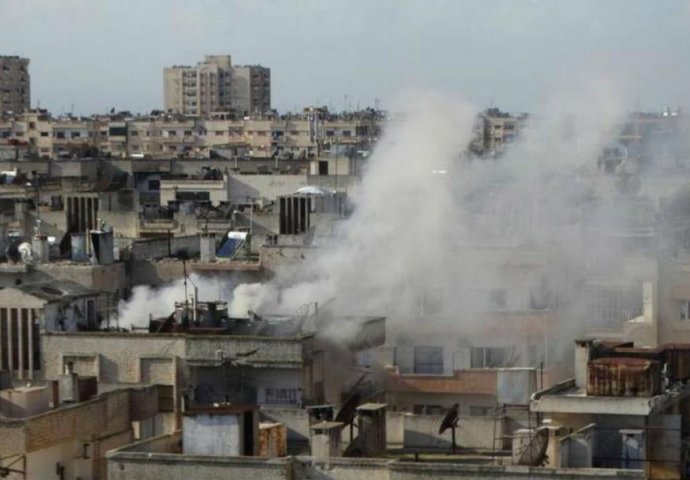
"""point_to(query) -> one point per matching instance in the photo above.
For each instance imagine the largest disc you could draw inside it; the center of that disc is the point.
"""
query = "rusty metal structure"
(620, 369)
(623, 377)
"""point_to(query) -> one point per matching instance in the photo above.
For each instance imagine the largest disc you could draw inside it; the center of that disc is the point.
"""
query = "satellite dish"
(534, 453)
(450, 421)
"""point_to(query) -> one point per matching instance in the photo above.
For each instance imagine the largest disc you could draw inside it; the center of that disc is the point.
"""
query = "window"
(117, 131)
(154, 185)
(75, 135)
(684, 308)
(282, 396)
(347, 133)
(45, 134)
(428, 360)
(486, 357)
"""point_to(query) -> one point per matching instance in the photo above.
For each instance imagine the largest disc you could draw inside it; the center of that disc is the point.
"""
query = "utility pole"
(337, 142)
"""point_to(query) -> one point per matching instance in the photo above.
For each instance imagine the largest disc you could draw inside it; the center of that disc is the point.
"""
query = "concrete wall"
(421, 431)
(155, 272)
(152, 466)
(60, 435)
(115, 358)
(440, 471)
(343, 469)
(108, 278)
(215, 435)
(128, 465)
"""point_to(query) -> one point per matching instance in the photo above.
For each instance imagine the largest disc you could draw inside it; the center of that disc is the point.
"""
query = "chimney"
(19, 210)
(583, 351)
(68, 385)
(648, 301)
(326, 441)
(371, 418)
(207, 247)
(40, 248)
(78, 247)
(319, 413)
(103, 248)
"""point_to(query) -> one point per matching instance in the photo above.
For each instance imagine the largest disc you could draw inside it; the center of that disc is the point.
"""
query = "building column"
(3, 315)
(83, 227)
(10, 350)
(32, 319)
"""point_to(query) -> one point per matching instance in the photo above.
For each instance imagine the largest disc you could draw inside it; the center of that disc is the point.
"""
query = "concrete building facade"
(215, 85)
(15, 90)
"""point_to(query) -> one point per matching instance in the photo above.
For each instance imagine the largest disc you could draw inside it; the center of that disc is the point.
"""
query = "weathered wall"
(155, 466)
(343, 469)
(115, 357)
(108, 278)
(155, 272)
(128, 465)
(421, 431)
(440, 471)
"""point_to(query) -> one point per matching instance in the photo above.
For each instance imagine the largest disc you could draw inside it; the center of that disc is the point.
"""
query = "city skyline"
(347, 55)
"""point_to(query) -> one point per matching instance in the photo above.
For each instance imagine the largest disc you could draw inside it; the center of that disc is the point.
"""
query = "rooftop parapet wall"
(122, 357)
(108, 414)
(141, 464)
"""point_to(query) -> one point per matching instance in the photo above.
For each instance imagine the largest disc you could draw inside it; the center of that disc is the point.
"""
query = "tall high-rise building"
(15, 91)
(251, 89)
(214, 86)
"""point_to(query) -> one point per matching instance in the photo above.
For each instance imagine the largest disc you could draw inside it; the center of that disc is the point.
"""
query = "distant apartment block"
(215, 86)
(302, 136)
(14, 84)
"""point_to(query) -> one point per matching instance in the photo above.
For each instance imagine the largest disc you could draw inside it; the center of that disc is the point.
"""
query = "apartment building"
(215, 85)
(288, 137)
(14, 84)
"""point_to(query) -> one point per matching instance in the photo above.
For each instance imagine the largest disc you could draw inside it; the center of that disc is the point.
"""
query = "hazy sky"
(98, 54)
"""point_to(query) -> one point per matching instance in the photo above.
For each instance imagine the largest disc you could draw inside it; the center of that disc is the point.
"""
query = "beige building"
(14, 84)
(295, 137)
(214, 86)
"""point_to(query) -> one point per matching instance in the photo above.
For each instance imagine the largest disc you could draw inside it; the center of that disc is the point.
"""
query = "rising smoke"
(434, 230)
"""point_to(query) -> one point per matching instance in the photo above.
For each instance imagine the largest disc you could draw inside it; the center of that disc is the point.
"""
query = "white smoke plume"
(427, 221)
(432, 230)
(146, 302)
